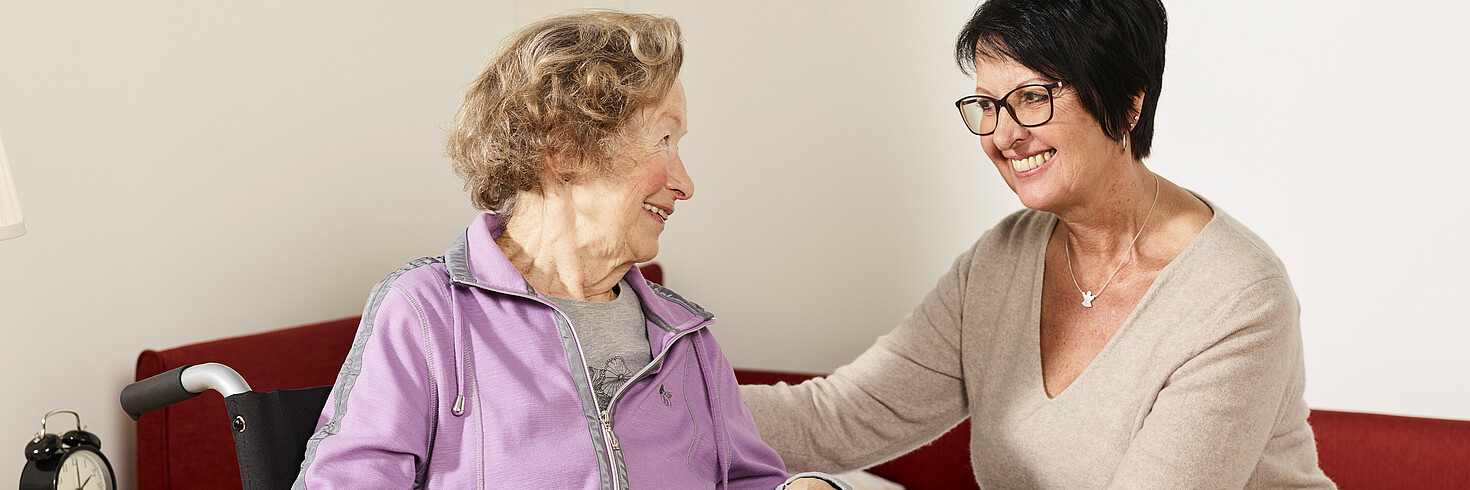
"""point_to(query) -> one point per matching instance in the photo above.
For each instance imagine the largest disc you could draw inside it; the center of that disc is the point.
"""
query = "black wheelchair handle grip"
(158, 391)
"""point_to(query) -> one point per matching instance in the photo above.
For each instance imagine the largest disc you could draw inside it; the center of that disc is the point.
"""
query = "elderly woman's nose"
(679, 181)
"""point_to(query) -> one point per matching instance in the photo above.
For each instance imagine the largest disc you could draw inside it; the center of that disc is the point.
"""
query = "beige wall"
(196, 170)
(192, 171)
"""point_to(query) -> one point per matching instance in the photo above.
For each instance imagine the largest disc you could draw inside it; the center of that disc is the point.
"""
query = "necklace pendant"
(1087, 298)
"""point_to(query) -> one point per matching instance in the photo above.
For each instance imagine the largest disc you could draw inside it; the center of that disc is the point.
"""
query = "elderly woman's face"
(628, 211)
(1056, 165)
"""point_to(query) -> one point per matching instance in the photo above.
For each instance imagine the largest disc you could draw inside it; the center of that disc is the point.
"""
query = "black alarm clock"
(71, 461)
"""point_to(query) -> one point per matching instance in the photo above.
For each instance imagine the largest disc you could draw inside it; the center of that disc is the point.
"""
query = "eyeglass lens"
(1029, 105)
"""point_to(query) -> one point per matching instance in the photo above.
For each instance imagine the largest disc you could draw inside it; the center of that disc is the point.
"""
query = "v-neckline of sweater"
(1038, 377)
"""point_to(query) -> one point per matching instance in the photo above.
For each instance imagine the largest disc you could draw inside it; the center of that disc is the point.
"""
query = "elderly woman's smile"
(662, 214)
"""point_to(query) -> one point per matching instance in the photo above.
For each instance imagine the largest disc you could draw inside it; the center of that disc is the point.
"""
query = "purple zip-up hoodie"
(462, 376)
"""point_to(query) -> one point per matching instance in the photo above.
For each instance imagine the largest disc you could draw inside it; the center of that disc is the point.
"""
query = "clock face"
(84, 470)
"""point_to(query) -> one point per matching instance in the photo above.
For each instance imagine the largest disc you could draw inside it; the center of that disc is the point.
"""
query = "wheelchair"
(270, 428)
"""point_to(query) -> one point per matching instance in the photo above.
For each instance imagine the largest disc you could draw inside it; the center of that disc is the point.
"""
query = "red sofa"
(188, 445)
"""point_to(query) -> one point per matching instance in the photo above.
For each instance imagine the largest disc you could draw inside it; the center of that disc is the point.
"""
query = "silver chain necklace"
(1087, 296)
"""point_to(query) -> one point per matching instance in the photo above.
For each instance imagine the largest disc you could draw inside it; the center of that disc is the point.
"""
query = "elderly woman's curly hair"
(569, 87)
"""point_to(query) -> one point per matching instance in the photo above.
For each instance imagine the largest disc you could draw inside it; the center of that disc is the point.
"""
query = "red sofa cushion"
(1365, 450)
(652, 271)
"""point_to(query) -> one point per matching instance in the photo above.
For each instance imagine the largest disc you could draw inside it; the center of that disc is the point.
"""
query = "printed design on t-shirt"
(611, 377)
(666, 395)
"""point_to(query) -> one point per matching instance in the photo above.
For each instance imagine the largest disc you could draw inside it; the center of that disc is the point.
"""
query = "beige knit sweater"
(1201, 387)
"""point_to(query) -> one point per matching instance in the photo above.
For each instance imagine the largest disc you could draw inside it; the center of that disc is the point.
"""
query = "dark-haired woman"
(1121, 332)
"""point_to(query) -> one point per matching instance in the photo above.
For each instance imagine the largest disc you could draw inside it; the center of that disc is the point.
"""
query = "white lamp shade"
(12, 223)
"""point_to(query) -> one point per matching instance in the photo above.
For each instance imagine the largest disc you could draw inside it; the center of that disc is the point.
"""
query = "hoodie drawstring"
(460, 362)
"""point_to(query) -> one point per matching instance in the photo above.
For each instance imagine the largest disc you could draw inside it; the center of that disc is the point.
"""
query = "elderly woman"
(1121, 332)
(533, 354)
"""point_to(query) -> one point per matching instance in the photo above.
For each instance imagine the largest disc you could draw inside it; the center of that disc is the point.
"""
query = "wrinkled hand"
(810, 483)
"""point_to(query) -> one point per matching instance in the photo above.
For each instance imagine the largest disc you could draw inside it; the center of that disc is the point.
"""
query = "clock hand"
(84, 482)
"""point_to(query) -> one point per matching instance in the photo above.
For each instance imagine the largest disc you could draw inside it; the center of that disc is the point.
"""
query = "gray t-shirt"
(613, 337)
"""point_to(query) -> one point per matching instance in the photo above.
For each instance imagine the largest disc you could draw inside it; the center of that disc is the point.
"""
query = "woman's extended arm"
(904, 391)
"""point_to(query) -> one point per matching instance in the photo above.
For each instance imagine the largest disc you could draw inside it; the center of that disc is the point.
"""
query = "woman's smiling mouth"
(656, 210)
(1032, 161)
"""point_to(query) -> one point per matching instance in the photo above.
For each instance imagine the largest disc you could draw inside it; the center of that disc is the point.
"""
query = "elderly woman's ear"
(555, 170)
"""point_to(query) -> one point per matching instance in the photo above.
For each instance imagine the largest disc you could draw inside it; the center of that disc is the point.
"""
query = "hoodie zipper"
(605, 416)
(613, 402)
(609, 439)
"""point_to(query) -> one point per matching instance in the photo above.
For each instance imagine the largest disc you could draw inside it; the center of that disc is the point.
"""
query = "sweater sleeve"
(1214, 416)
(375, 427)
(902, 392)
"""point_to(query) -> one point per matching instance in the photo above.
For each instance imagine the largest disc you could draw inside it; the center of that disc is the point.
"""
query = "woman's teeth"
(656, 210)
(1032, 161)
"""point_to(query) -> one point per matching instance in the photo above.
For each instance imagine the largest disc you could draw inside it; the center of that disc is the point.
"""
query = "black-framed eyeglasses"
(1030, 106)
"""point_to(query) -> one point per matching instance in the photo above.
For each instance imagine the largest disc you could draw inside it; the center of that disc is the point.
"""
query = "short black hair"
(1106, 50)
